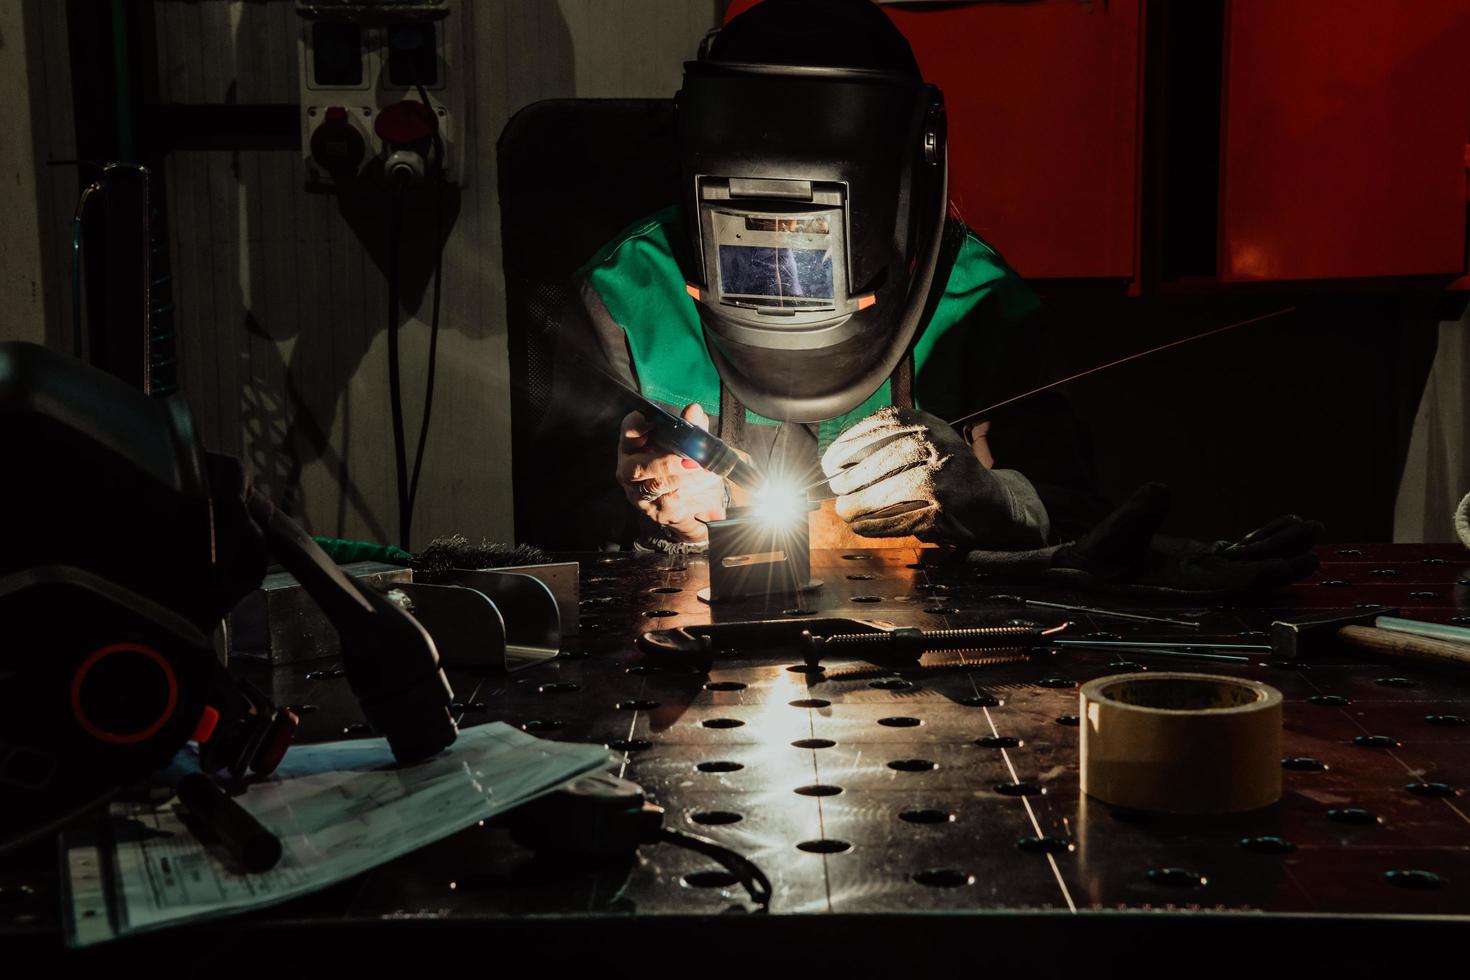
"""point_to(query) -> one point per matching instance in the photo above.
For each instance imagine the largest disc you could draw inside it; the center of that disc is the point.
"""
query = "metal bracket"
(750, 555)
(507, 622)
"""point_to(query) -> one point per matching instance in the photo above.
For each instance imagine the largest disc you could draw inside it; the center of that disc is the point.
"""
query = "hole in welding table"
(542, 725)
(811, 703)
(1377, 742)
(715, 818)
(1304, 763)
(636, 704)
(1177, 877)
(927, 816)
(824, 846)
(724, 686)
(900, 722)
(1440, 790)
(720, 765)
(1023, 788)
(723, 723)
(981, 701)
(999, 742)
(710, 879)
(944, 878)
(817, 789)
(814, 743)
(913, 765)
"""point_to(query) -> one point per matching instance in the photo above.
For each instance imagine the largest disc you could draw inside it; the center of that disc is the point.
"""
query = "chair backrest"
(573, 173)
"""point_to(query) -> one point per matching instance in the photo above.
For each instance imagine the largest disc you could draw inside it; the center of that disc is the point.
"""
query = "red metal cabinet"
(1344, 138)
(1043, 103)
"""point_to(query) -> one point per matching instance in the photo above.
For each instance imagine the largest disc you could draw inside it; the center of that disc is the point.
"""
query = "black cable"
(439, 243)
(395, 393)
(752, 877)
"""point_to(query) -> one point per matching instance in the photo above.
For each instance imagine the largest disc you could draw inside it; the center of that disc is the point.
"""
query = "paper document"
(339, 809)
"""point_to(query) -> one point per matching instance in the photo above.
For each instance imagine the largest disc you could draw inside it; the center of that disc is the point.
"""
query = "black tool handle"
(705, 448)
(251, 844)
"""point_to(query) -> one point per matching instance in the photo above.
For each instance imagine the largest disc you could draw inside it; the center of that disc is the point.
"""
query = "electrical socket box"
(357, 59)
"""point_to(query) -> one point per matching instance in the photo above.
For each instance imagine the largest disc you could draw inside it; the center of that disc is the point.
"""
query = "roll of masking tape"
(1181, 743)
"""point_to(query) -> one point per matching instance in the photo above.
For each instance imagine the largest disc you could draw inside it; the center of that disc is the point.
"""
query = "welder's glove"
(675, 493)
(901, 471)
(1124, 554)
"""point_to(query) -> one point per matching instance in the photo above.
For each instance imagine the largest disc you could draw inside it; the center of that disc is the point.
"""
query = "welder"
(816, 300)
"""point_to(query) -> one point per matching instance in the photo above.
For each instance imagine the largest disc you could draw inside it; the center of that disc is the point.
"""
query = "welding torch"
(692, 442)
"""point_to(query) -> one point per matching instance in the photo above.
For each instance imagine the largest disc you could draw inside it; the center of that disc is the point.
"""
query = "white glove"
(901, 471)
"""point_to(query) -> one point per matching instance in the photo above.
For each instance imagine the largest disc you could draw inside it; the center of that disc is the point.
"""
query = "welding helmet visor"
(815, 198)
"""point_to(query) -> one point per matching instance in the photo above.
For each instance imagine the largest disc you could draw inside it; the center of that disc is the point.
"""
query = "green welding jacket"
(635, 282)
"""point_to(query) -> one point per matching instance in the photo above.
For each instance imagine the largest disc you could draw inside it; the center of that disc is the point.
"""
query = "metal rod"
(1191, 649)
(1104, 613)
(1123, 360)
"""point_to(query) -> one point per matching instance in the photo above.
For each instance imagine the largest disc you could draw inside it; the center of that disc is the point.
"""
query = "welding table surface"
(921, 817)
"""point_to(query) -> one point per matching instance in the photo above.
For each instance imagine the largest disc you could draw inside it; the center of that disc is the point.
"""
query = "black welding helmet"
(814, 194)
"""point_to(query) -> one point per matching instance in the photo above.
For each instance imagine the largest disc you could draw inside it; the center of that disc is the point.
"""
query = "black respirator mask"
(814, 198)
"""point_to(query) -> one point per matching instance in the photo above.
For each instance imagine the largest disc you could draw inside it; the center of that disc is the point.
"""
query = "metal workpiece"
(761, 552)
(279, 623)
(507, 622)
(502, 618)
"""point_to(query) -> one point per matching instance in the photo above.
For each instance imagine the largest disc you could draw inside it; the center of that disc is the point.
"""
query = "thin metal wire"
(1124, 360)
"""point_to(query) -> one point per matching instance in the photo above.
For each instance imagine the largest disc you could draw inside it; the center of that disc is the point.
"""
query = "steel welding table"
(869, 796)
